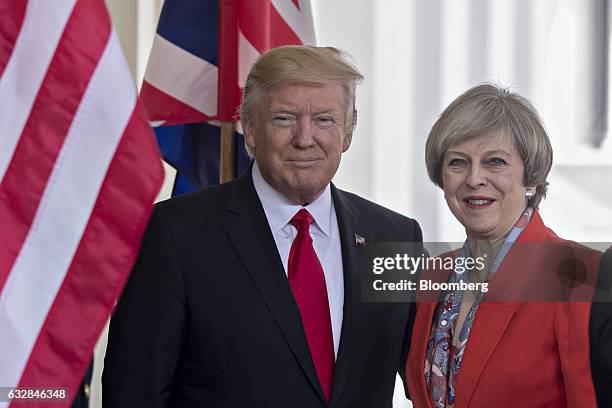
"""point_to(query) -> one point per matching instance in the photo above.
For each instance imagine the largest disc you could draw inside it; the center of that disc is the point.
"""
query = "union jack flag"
(198, 65)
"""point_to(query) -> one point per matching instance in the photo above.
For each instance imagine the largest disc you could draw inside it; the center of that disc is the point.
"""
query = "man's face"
(299, 138)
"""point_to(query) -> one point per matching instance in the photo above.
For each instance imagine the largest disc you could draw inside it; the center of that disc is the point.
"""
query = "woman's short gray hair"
(300, 64)
(485, 109)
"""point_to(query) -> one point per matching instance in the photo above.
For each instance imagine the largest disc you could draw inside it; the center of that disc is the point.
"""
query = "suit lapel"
(351, 230)
(249, 232)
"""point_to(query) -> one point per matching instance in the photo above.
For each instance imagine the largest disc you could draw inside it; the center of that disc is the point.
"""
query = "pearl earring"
(529, 194)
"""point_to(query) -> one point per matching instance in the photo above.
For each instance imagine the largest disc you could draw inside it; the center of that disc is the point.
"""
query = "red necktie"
(308, 285)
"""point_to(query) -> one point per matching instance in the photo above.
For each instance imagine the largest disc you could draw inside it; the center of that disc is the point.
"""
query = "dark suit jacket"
(208, 318)
(522, 354)
(81, 399)
(601, 333)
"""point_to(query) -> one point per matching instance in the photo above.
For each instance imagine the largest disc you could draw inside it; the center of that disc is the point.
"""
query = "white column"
(347, 24)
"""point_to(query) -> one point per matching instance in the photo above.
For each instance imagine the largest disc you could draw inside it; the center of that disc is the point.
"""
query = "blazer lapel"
(426, 307)
(491, 322)
(249, 232)
(493, 317)
(416, 359)
(352, 229)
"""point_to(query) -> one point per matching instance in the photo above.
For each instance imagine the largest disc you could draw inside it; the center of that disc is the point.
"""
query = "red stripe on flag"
(254, 23)
(79, 49)
(227, 56)
(11, 19)
(280, 32)
(161, 106)
(264, 27)
(297, 3)
(101, 264)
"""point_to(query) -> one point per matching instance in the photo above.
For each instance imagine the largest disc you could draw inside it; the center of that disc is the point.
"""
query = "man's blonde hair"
(299, 64)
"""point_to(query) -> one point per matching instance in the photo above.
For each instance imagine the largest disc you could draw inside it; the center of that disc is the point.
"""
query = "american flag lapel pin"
(359, 240)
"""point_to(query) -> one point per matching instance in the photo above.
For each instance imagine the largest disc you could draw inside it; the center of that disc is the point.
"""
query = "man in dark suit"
(248, 293)
(600, 332)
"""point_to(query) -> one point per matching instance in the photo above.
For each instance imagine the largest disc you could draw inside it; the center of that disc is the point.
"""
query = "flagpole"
(227, 162)
(229, 92)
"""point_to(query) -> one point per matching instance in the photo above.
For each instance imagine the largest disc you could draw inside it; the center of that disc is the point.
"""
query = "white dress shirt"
(325, 236)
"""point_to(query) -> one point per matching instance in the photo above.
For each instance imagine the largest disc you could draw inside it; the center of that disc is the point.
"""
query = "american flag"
(198, 65)
(79, 170)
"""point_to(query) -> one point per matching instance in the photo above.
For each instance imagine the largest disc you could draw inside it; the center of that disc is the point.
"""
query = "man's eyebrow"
(282, 110)
(324, 110)
(294, 111)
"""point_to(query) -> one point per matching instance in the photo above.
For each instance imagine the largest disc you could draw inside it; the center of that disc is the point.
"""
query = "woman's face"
(483, 185)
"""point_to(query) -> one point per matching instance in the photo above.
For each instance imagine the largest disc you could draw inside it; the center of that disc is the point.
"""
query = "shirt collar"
(279, 210)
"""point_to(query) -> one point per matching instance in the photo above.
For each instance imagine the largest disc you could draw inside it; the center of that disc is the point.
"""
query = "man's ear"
(348, 138)
(346, 143)
(249, 137)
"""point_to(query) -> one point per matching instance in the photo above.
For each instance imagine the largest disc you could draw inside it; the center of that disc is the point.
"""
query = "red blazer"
(520, 354)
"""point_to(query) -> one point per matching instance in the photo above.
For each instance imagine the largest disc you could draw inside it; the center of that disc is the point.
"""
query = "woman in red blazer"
(520, 339)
